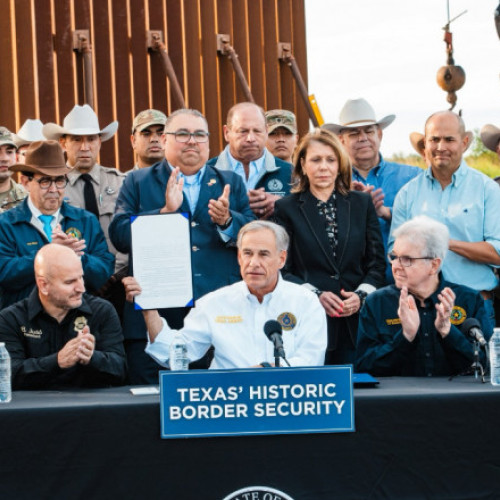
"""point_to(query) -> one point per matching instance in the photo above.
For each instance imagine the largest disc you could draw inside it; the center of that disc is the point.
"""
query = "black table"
(415, 438)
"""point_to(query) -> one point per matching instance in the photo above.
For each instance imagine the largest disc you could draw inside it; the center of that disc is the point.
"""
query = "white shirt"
(232, 320)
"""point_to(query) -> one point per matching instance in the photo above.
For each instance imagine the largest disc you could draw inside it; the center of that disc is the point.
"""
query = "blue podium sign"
(256, 401)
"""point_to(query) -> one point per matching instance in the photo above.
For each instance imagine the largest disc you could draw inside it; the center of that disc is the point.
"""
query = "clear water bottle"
(5, 387)
(178, 353)
(494, 348)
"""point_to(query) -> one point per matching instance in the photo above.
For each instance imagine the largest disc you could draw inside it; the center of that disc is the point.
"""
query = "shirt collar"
(36, 213)
(258, 163)
(376, 169)
(191, 180)
(267, 298)
(457, 177)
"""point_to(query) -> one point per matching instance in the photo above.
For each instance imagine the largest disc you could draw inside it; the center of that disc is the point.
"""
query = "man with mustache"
(59, 336)
(91, 186)
(182, 182)
(147, 130)
(463, 199)
(43, 218)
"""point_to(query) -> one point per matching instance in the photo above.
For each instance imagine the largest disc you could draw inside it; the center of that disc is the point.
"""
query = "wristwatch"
(362, 297)
(226, 224)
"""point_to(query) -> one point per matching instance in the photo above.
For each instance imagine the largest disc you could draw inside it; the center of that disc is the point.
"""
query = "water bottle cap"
(2, 344)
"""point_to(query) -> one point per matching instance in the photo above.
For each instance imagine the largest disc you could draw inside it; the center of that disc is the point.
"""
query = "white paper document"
(161, 250)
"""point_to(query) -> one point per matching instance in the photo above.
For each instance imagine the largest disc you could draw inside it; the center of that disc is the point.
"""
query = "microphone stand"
(276, 358)
(477, 367)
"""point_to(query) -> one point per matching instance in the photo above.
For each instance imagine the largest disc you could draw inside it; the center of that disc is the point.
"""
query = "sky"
(389, 52)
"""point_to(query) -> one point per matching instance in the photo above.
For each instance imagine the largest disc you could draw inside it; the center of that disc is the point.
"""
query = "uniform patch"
(34, 334)
(275, 185)
(457, 315)
(31, 243)
(73, 231)
(229, 319)
(109, 190)
(395, 321)
(80, 323)
(287, 320)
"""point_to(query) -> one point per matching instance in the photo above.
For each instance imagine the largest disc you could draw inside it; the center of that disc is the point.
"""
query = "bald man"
(58, 336)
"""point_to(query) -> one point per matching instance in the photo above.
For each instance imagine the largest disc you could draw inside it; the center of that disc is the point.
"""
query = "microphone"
(274, 332)
(472, 328)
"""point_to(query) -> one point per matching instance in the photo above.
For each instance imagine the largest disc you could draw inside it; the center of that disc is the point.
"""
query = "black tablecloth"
(415, 438)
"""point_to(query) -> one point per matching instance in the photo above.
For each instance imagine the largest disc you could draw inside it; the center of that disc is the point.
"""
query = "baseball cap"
(7, 137)
(281, 118)
(147, 118)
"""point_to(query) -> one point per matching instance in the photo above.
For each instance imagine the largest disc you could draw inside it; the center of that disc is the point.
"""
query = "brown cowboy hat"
(44, 158)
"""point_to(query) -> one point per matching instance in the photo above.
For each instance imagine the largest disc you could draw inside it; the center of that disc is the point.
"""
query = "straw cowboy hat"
(81, 120)
(490, 135)
(31, 131)
(358, 113)
(417, 141)
(44, 158)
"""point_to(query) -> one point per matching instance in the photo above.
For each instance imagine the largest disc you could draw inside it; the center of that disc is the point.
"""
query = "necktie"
(89, 195)
(47, 229)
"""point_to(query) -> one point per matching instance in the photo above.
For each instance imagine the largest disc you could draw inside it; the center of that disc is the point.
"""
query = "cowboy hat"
(31, 131)
(358, 113)
(490, 135)
(81, 120)
(44, 158)
(417, 141)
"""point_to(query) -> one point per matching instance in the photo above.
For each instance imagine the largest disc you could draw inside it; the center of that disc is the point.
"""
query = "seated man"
(43, 218)
(232, 318)
(412, 328)
(58, 336)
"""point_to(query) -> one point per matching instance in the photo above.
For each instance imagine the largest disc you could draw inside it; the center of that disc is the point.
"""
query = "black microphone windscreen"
(470, 323)
(272, 326)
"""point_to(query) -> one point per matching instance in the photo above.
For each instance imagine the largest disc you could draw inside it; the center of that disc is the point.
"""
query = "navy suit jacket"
(214, 261)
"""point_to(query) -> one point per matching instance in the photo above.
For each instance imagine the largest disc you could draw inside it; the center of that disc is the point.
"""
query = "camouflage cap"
(147, 118)
(281, 118)
(7, 137)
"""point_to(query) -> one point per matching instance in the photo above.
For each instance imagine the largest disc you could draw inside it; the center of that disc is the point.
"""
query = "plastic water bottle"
(5, 387)
(494, 347)
(178, 353)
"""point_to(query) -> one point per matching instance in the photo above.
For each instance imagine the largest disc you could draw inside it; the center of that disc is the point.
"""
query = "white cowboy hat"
(418, 141)
(31, 131)
(81, 120)
(490, 135)
(358, 113)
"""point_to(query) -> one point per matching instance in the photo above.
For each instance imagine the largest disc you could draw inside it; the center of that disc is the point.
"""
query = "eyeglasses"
(404, 260)
(185, 136)
(45, 182)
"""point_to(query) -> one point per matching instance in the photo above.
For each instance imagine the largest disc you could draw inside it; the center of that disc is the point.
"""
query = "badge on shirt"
(395, 321)
(211, 182)
(109, 190)
(275, 185)
(287, 321)
(73, 231)
(458, 315)
(80, 323)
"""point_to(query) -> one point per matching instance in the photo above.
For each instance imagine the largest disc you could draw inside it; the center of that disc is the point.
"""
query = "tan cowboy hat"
(490, 135)
(44, 158)
(81, 120)
(417, 141)
(31, 131)
(358, 113)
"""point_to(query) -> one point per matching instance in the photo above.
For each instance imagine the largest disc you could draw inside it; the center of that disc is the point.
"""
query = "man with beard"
(58, 336)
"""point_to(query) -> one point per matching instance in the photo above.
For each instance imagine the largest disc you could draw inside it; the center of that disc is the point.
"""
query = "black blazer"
(360, 252)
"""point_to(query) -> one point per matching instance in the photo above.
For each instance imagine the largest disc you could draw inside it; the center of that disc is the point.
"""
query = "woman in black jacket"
(335, 241)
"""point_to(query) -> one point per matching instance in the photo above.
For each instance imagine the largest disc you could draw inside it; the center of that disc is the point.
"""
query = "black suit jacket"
(360, 251)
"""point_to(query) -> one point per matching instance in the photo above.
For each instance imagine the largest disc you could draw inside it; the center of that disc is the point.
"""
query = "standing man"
(249, 304)
(147, 130)
(463, 199)
(282, 133)
(266, 177)
(361, 134)
(91, 186)
(11, 193)
(58, 336)
(43, 218)
(182, 182)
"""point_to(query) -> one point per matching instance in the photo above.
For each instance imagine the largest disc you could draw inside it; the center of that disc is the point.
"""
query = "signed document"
(161, 250)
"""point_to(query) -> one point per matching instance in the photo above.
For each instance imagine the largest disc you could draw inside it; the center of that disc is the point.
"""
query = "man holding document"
(232, 319)
(218, 206)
